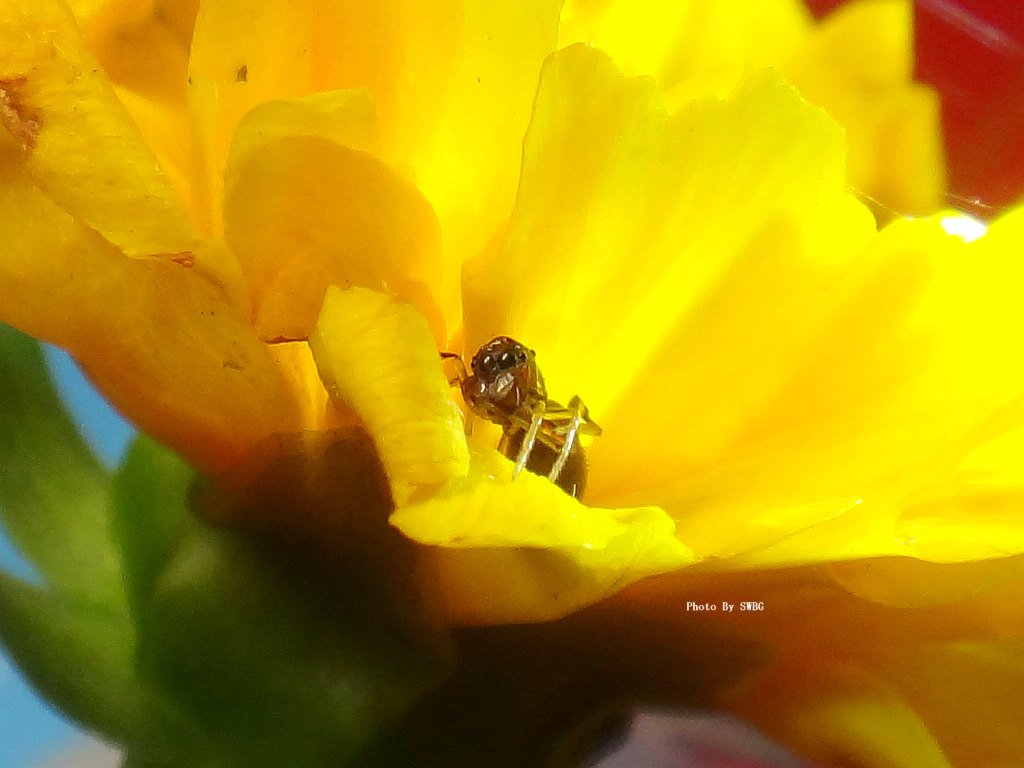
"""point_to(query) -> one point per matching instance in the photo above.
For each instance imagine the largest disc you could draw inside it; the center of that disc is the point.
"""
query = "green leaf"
(81, 658)
(148, 516)
(53, 491)
(295, 628)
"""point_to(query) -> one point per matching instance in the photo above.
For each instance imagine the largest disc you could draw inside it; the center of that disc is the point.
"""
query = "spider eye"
(507, 360)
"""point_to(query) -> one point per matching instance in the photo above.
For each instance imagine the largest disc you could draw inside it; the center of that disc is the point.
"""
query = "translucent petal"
(618, 200)
(162, 343)
(99, 18)
(669, 216)
(859, 67)
(894, 388)
(306, 207)
(857, 64)
(345, 117)
(773, 377)
(453, 82)
(970, 508)
(164, 128)
(689, 47)
(77, 140)
(266, 56)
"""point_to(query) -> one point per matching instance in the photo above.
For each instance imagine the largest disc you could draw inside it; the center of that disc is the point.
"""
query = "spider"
(539, 434)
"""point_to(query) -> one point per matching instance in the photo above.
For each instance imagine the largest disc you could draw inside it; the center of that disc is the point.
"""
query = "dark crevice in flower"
(519, 689)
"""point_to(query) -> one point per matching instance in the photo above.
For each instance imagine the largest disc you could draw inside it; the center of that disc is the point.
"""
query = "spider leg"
(536, 419)
(559, 418)
(578, 410)
(460, 368)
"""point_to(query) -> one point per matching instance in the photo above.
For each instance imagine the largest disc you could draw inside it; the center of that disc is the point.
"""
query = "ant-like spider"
(539, 434)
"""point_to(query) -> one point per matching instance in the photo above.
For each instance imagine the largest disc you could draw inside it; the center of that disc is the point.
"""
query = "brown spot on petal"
(184, 258)
(21, 121)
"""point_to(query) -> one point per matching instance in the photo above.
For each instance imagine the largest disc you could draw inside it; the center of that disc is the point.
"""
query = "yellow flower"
(808, 414)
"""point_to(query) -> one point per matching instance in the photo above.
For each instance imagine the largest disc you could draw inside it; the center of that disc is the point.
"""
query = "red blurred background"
(972, 51)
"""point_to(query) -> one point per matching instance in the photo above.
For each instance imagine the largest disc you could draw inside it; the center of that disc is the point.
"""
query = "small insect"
(539, 434)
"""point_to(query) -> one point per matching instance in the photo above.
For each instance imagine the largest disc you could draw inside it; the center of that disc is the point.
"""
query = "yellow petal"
(859, 67)
(159, 341)
(164, 127)
(319, 412)
(669, 216)
(376, 354)
(906, 582)
(76, 139)
(345, 117)
(306, 207)
(970, 509)
(453, 83)
(618, 200)
(967, 693)
(779, 387)
(265, 56)
(143, 47)
(690, 47)
(890, 394)
(99, 18)
(948, 704)
(510, 551)
(840, 715)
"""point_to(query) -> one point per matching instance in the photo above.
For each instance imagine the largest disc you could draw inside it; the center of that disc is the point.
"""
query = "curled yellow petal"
(143, 47)
(77, 140)
(376, 354)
